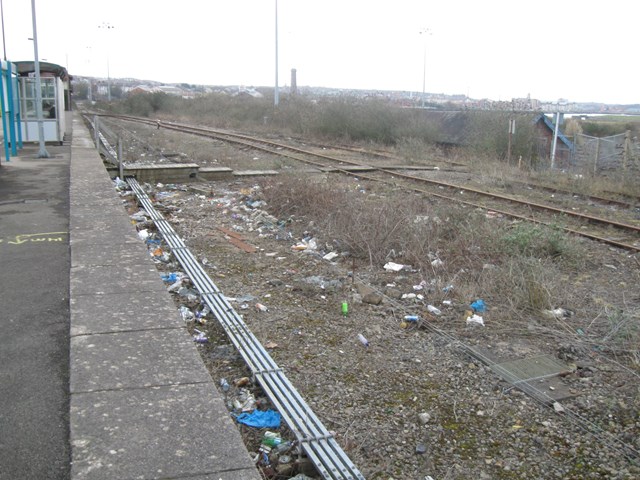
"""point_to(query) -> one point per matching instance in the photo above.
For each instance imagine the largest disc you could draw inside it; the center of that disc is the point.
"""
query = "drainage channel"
(318, 443)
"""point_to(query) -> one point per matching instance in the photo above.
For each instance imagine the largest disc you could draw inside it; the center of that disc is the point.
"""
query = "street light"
(424, 32)
(276, 93)
(107, 27)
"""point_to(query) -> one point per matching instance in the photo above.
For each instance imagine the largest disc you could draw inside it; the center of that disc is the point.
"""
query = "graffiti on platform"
(28, 238)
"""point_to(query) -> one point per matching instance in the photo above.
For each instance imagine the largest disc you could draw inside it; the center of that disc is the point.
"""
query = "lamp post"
(107, 27)
(424, 32)
(276, 93)
(42, 152)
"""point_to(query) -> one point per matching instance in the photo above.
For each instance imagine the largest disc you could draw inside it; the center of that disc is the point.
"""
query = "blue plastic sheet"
(260, 419)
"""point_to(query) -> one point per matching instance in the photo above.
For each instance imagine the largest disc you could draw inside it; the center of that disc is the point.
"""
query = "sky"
(578, 50)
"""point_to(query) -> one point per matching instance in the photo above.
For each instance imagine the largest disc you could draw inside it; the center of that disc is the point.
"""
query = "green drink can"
(345, 308)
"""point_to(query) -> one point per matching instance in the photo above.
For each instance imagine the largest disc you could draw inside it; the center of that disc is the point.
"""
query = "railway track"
(598, 227)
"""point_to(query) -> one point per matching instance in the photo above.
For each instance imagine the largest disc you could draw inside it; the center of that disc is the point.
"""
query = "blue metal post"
(12, 116)
(7, 155)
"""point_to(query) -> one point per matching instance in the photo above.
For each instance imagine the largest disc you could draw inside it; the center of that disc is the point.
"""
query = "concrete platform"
(142, 404)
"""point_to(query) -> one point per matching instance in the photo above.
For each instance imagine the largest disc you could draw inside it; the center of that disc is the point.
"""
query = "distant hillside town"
(93, 88)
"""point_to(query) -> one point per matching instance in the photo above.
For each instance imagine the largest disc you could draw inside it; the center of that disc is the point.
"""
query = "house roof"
(546, 121)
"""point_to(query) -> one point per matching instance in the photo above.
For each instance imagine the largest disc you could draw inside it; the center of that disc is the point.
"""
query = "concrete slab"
(160, 432)
(123, 312)
(105, 279)
(135, 359)
(130, 253)
(98, 224)
(532, 368)
(254, 173)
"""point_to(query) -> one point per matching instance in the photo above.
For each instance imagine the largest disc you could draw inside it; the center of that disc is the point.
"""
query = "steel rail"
(318, 443)
(249, 141)
(243, 139)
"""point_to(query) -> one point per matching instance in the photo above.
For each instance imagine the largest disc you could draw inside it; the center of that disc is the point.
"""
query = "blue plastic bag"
(479, 306)
(260, 419)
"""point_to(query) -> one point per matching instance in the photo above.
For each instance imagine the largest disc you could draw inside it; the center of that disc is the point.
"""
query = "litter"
(475, 319)
(260, 419)
(393, 267)
(186, 313)
(363, 340)
(434, 310)
(261, 308)
(200, 337)
(479, 306)
(330, 256)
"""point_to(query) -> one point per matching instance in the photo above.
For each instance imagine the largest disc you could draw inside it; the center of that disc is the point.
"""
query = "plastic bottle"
(363, 340)
(345, 309)
(433, 310)
(224, 384)
(411, 318)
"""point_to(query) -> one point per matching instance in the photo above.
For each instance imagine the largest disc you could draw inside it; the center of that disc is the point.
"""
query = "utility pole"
(512, 130)
(42, 153)
(555, 140)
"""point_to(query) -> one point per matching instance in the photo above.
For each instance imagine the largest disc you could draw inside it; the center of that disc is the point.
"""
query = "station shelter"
(55, 89)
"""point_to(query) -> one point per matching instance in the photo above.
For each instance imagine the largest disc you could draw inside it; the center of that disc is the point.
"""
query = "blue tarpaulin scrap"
(260, 419)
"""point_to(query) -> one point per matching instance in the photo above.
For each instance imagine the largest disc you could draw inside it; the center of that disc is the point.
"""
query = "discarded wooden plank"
(236, 239)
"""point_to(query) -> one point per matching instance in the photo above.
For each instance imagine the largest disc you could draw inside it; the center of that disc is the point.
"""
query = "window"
(48, 88)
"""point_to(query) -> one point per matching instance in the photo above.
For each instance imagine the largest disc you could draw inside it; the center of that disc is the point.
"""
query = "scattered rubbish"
(479, 306)
(271, 439)
(447, 302)
(120, 184)
(143, 234)
(203, 313)
(363, 340)
(261, 308)
(260, 419)
(411, 318)
(345, 309)
(200, 337)
(558, 313)
(434, 310)
(408, 296)
(558, 407)
(224, 385)
(310, 244)
(437, 263)
(393, 267)
(330, 256)
(420, 286)
(242, 299)
(186, 313)
(242, 382)
(245, 401)
(421, 448)
(475, 319)
(271, 345)
(170, 278)
(447, 289)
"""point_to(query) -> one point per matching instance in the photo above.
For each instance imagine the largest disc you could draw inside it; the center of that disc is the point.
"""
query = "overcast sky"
(580, 50)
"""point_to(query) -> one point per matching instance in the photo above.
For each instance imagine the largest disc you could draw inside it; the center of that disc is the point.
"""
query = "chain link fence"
(601, 155)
